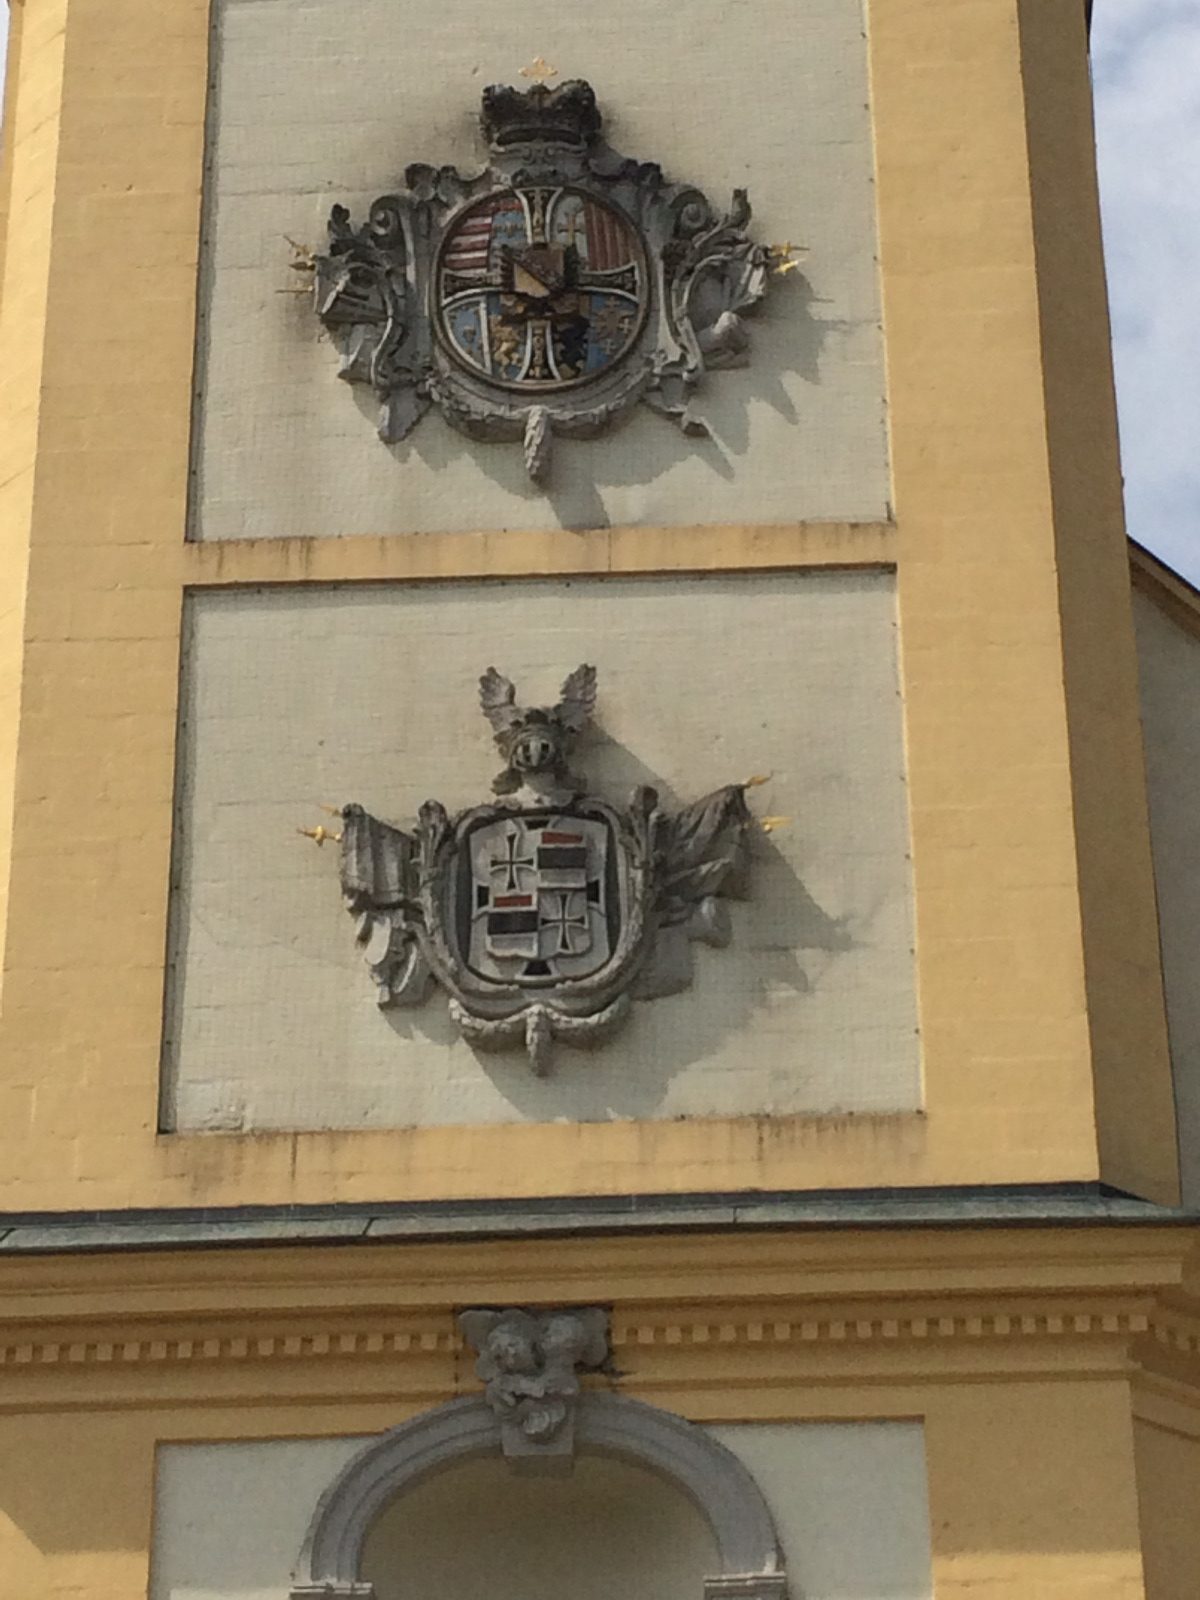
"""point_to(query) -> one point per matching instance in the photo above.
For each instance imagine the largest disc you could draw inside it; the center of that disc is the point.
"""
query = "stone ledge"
(1051, 1205)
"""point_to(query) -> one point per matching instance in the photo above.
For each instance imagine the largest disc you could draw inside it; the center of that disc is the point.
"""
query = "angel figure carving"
(546, 912)
(530, 1363)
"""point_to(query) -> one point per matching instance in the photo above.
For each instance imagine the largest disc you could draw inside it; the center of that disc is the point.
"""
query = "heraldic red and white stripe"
(468, 250)
(608, 242)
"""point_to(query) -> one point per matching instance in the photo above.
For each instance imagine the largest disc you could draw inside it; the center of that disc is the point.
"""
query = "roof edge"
(1053, 1205)
(1174, 595)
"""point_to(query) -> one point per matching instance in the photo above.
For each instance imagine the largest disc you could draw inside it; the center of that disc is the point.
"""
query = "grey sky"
(1146, 56)
(1146, 64)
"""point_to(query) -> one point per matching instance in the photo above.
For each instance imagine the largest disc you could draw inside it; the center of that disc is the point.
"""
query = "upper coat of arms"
(545, 295)
(545, 912)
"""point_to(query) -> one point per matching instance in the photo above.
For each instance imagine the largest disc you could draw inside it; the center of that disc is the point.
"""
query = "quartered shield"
(537, 902)
(540, 288)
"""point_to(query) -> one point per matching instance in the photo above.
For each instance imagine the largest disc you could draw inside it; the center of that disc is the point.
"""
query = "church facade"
(597, 851)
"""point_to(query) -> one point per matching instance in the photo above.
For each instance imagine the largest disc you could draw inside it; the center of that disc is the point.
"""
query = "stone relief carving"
(530, 1363)
(547, 294)
(546, 912)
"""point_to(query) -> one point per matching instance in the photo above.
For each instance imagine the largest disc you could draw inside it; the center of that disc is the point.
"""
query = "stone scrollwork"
(530, 1363)
(545, 913)
(547, 294)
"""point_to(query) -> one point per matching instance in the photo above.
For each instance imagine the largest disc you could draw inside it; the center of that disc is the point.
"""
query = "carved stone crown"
(565, 115)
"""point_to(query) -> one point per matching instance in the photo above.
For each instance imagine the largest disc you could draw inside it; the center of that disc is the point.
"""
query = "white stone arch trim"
(711, 1476)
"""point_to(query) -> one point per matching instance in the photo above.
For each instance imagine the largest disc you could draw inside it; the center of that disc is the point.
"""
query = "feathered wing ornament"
(498, 702)
(577, 699)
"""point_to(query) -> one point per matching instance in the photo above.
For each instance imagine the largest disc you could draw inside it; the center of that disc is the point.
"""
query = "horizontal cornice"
(1048, 1205)
(749, 1360)
(718, 1323)
(691, 1340)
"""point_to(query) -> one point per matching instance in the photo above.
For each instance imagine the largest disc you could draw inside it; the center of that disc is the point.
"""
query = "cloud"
(1146, 67)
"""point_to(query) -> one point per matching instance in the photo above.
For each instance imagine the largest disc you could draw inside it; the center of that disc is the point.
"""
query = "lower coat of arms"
(546, 912)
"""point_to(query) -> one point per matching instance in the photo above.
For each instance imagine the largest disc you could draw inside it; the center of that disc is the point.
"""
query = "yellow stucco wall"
(1019, 1351)
(32, 121)
(1030, 1074)
(1123, 979)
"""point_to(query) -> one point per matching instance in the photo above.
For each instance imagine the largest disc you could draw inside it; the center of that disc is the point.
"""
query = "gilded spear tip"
(319, 834)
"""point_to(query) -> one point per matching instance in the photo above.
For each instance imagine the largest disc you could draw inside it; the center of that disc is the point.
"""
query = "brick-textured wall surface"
(317, 102)
(329, 695)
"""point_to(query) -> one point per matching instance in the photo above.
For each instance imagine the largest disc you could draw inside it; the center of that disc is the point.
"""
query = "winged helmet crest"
(535, 740)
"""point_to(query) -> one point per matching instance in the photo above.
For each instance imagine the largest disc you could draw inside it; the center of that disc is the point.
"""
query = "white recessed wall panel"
(317, 101)
(848, 1500)
(298, 697)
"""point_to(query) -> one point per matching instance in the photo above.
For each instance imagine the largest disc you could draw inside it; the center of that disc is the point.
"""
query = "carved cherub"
(535, 740)
(509, 1360)
(530, 1364)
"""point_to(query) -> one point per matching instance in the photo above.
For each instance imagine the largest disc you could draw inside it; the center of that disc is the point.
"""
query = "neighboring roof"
(1171, 593)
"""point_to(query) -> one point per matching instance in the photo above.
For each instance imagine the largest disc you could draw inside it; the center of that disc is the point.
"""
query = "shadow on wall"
(787, 920)
(786, 338)
(609, 1529)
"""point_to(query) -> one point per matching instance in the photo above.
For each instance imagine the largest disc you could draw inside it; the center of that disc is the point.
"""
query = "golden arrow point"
(304, 257)
(319, 834)
(783, 257)
(773, 824)
(757, 781)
